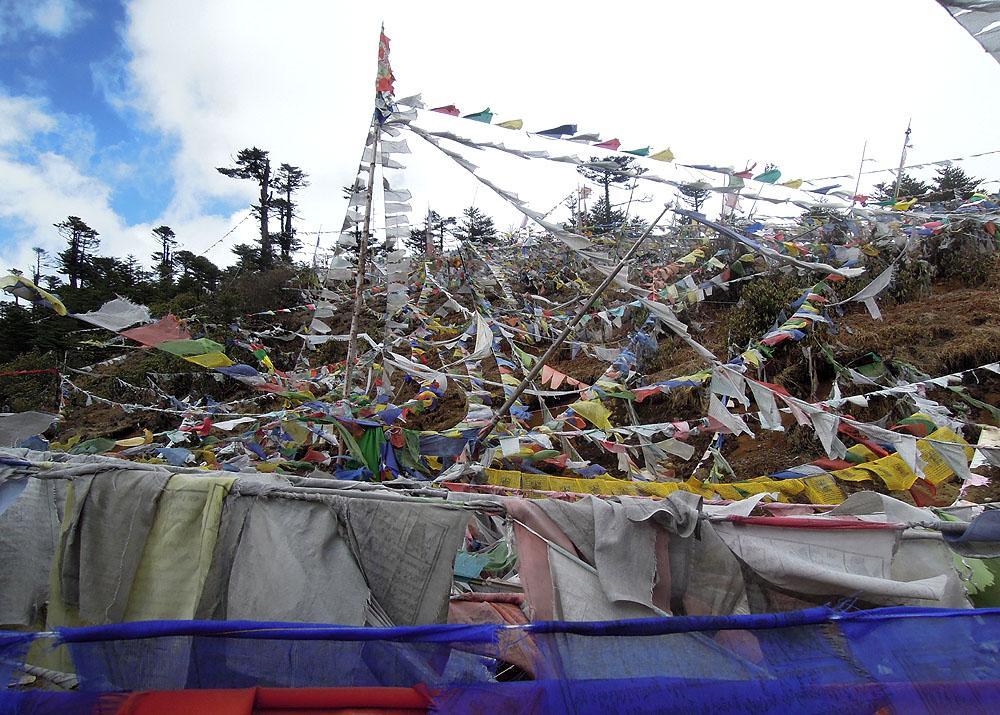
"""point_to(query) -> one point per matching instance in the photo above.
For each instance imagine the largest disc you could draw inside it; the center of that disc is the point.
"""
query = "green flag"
(768, 177)
(485, 116)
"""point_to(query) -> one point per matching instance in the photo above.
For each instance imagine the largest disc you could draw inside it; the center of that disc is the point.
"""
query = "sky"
(119, 112)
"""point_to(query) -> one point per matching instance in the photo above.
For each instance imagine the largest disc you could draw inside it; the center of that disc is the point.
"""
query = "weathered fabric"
(105, 534)
(845, 562)
(533, 530)
(178, 552)
(291, 563)
(620, 541)
(18, 426)
(406, 551)
(214, 598)
(166, 328)
(116, 315)
(919, 555)
(579, 596)
(29, 535)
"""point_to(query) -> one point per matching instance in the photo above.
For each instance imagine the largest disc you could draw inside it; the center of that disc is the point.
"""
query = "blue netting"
(13, 648)
(212, 654)
(40, 702)
(815, 661)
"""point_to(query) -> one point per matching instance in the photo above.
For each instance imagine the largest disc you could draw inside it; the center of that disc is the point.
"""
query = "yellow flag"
(892, 470)
(131, 442)
(792, 184)
(594, 412)
(904, 205)
(822, 489)
(752, 357)
(210, 360)
(511, 124)
(665, 155)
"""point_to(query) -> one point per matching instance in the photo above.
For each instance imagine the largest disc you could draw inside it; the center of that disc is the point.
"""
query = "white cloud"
(725, 82)
(54, 18)
(42, 188)
(22, 118)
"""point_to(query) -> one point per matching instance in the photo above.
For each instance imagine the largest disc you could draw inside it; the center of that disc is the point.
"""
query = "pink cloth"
(167, 328)
(533, 555)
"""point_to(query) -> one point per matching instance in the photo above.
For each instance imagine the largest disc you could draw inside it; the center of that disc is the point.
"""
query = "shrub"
(760, 303)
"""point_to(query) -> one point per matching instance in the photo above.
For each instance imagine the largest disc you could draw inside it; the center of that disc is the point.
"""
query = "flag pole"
(383, 98)
(861, 166)
(902, 161)
(362, 267)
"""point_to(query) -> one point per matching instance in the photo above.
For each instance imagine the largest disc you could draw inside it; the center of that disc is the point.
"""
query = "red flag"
(451, 110)
(611, 144)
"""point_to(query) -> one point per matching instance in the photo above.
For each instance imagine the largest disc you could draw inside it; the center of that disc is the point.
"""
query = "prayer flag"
(511, 124)
(485, 116)
(594, 412)
(560, 131)
(450, 109)
(210, 360)
(768, 177)
(611, 144)
(644, 151)
(665, 155)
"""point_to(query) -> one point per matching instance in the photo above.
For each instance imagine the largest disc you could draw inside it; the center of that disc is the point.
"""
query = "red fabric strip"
(807, 523)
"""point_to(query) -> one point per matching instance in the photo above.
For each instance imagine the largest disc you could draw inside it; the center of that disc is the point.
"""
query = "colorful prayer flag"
(560, 131)
(210, 360)
(768, 177)
(485, 116)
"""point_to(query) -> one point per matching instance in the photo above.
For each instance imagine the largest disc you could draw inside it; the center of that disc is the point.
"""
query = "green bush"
(967, 258)
(760, 303)
(19, 393)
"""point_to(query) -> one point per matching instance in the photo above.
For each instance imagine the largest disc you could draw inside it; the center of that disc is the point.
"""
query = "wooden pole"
(485, 431)
(861, 167)
(902, 161)
(359, 283)
(428, 241)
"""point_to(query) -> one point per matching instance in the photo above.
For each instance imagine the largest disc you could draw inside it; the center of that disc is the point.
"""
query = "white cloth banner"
(116, 315)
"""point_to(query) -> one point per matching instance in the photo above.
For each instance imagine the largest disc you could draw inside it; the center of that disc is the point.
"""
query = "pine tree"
(476, 227)
(612, 171)
(255, 164)
(40, 255)
(164, 258)
(953, 183)
(287, 180)
(198, 274)
(909, 187)
(247, 257)
(82, 240)
(437, 226)
(694, 195)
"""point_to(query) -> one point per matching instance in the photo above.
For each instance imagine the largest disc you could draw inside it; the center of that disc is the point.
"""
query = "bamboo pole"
(902, 161)
(485, 431)
(359, 282)
(861, 167)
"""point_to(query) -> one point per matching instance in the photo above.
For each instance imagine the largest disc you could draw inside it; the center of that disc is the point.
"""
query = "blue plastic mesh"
(815, 661)
(13, 648)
